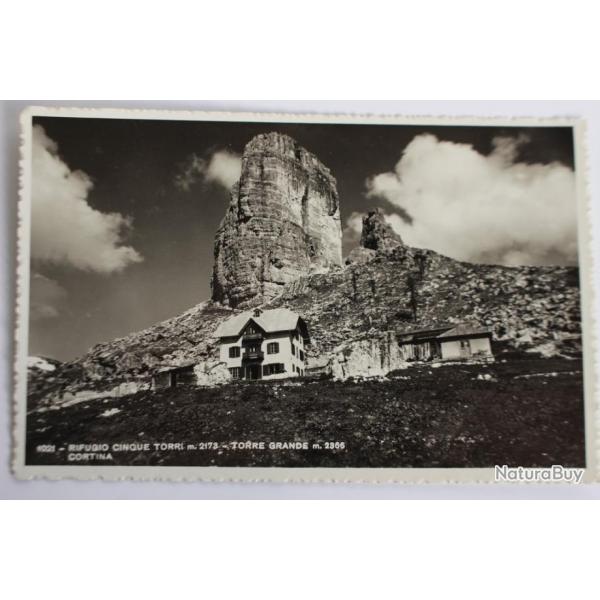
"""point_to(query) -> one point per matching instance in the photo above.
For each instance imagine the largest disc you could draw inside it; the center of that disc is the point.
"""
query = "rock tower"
(283, 222)
(377, 234)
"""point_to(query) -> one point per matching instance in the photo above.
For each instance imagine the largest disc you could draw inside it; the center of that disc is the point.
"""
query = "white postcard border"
(292, 474)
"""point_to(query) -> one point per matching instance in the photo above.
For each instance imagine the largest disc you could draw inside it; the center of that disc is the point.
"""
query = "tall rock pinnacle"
(377, 234)
(283, 222)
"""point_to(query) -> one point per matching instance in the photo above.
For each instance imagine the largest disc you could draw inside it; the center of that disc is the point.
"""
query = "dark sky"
(133, 164)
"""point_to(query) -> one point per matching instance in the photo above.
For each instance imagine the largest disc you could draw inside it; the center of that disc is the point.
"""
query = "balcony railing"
(253, 355)
(252, 337)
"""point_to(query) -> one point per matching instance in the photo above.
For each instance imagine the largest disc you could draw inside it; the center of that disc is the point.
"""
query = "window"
(234, 352)
(273, 348)
(236, 372)
(273, 369)
(293, 349)
(301, 354)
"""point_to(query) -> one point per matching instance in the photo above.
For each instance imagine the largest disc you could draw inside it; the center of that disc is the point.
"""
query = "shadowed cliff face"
(283, 222)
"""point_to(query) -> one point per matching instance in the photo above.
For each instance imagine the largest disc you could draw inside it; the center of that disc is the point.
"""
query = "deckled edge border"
(587, 264)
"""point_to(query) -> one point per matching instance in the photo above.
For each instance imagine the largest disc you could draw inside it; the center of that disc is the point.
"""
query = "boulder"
(211, 373)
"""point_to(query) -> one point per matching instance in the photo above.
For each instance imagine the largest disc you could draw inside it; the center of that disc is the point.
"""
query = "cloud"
(65, 229)
(352, 231)
(192, 170)
(222, 168)
(478, 208)
(46, 296)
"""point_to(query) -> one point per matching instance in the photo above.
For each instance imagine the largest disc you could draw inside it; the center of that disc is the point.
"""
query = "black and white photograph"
(220, 295)
(299, 300)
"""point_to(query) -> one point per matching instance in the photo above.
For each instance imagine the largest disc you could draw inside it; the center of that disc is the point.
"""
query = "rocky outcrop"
(64, 399)
(283, 222)
(360, 256)
(374, 357)
(210, 373)
(377, 234)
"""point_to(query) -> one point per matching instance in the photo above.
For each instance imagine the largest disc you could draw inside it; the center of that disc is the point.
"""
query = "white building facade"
(458, 342)
(268, 344)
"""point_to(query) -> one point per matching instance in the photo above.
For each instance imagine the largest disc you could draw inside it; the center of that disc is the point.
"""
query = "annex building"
(458, 342)
(266, 344)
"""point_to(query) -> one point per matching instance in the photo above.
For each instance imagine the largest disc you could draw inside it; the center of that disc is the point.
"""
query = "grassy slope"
(442, 417)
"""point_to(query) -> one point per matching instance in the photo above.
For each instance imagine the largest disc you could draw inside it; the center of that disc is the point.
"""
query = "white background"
(11, 488)
(314, 48)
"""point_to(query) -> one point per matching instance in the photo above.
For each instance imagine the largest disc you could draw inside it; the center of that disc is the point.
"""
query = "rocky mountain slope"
(397, 290)
(278, 246)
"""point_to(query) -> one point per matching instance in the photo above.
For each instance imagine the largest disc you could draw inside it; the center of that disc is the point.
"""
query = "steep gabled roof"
(270, 321)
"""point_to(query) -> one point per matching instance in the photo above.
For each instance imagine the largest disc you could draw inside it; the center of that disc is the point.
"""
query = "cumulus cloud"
(46, 297)
(222, 168)
(450, 198)
(65, 229)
